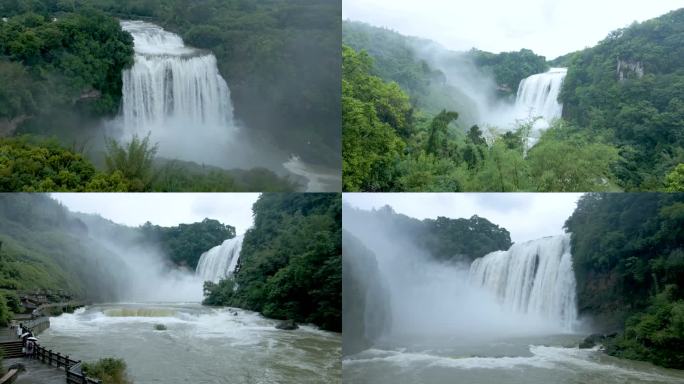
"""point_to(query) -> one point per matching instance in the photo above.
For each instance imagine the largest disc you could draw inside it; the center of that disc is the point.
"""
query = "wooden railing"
(74, 374)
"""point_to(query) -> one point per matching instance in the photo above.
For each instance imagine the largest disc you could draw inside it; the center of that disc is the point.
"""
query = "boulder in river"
(592, 340)
(287, 325)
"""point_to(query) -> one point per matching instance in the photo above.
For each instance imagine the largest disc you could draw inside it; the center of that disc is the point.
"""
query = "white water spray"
(220, 261)
(176, 93)
(532, 278)
(538, 97)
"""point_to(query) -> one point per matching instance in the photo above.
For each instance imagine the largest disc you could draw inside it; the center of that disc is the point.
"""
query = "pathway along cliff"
(511, 317)
(200, 344)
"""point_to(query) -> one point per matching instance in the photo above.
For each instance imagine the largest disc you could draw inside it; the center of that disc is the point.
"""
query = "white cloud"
(549, 27)
(527, 216)
(165, 209)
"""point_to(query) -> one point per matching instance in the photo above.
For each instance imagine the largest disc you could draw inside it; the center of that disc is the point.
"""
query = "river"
(201, 344)
(528, 360)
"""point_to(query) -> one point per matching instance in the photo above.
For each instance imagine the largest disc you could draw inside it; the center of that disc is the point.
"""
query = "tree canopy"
(629, 263)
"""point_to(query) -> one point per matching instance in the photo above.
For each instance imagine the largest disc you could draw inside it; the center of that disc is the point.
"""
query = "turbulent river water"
(200, 345)
(526, 360)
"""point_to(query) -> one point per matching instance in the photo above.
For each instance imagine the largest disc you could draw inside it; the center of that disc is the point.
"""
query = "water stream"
(200, 345)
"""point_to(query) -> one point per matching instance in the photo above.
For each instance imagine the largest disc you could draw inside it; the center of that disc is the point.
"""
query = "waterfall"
(175, 93)
(534, 277)
(538, 95)
(220, 261)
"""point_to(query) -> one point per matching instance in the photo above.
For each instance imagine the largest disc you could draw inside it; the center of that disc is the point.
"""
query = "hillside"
(45, 247)
(630, 87)
(629, 264)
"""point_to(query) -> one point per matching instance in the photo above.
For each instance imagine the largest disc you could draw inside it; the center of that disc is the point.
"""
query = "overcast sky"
(548, 27)
(527, 216)
(165, 209)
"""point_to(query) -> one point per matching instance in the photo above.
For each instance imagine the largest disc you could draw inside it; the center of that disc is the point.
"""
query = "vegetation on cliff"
(445, 239)
(290, 265)
(71, 61)
(629, 263)
(630, 89)
(185, 243)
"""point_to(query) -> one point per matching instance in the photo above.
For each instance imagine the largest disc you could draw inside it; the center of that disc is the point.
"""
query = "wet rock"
(591, 341)
(287, 325)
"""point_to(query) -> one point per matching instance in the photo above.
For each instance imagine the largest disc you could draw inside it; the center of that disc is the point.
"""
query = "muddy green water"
(531, 360)
(200, 345)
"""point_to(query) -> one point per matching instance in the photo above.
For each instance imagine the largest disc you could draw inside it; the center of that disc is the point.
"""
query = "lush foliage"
(185, 243)
(629, 263)
(109, 370)
(5, 313)
(630, 88)
(72, 59)
(290, 265)
(133, 160)
(34, 167)
(509, 68)
(30, 164)
(390, 146)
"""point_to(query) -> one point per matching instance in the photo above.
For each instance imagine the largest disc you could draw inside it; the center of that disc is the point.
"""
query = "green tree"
(290, 266)
(134, 160)
(675, 179)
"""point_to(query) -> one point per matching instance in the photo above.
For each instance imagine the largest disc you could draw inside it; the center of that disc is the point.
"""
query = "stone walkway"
(37, 372)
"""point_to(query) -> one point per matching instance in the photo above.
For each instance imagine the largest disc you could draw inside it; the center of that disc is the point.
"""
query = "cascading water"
(220, 261)
(532, 278)
(538, 96)
(175, 93)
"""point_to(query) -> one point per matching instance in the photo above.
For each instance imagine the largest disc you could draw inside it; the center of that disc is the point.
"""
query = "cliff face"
(366, 312)
(628, 258)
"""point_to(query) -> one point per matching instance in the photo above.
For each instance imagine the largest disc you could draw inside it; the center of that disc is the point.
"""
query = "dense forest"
(628, 258)
(290, 265)
(630, 89)
(405, 128)
(445, 239)
(61, 64)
